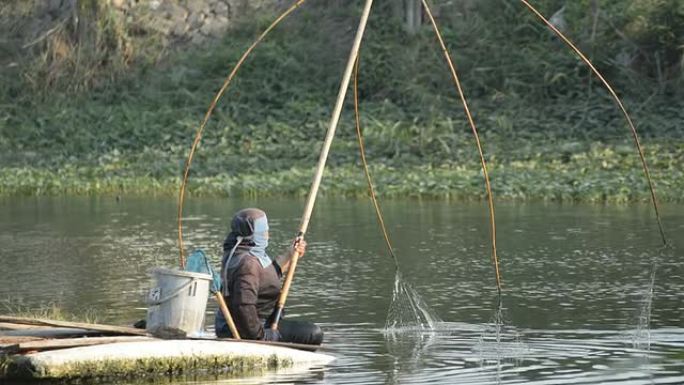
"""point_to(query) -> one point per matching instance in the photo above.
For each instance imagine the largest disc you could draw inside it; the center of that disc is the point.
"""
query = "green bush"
(643, 39)
(548, 132)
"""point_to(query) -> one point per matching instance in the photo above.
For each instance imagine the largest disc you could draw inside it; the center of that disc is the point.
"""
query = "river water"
(588, 296)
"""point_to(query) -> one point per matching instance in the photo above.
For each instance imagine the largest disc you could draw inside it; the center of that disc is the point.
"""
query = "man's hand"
(271, 335)
(299, 246)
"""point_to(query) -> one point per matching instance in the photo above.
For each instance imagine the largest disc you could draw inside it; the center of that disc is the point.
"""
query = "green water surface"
(576, 282)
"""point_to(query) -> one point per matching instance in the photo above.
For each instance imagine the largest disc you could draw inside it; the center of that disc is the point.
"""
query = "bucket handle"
(173, 294)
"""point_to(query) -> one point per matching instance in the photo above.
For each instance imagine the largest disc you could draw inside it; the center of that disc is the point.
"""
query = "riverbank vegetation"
(51, 311)
(549, 131)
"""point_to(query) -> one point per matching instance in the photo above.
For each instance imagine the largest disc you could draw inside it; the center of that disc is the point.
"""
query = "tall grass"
(74, 47)
(51, 311)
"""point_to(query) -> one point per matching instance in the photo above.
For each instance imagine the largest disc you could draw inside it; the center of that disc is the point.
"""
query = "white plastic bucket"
(178, 300)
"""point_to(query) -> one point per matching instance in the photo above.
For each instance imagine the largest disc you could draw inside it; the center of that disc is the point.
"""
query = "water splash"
(408, 311)
(409, 329)
(641, 339)
(498, 346)
(493, 333)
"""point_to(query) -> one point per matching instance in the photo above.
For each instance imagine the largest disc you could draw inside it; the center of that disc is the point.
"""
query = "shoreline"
(438, 183)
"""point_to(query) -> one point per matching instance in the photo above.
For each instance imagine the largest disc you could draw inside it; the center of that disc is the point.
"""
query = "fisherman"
(251, 283)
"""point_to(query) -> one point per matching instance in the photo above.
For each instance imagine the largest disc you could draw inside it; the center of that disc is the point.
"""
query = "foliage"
(51, 311)
(642, 39)
(85, 45)
(568, 171)
(547, 133)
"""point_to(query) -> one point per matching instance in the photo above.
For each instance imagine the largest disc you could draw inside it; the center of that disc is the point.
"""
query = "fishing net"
(198, 262)
(498, 342)
(410, 326)
(408, 311)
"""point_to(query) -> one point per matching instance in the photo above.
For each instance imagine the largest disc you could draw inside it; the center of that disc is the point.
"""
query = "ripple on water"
(575, 305)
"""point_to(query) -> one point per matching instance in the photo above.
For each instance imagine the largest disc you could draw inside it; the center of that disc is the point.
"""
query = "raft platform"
(36, 358)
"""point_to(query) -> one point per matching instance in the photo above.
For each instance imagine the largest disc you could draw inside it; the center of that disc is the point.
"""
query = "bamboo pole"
(205, 120)
(291, 345)
(76, 325)
(618, 102)
(311, 199)
(27, 346)
(54, 332)
(471, 122)
(226, 315)
(11, 326)
(196, 142)
(366, 169)
(12, 340)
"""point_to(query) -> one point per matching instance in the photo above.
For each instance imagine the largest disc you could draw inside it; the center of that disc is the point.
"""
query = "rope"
(210, 110)
(362, 151)
(488, 186)
(619, 104)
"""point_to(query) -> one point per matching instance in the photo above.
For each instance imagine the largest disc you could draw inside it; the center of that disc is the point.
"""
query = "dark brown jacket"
(253, 292)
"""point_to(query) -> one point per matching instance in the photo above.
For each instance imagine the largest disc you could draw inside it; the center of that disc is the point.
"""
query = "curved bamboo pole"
(198, 136)
(490, 201)
(210, 110)
(620, 106)
(362, 151)
(315, 184)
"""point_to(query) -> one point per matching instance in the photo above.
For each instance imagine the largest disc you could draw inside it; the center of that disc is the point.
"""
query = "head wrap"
(249, 233)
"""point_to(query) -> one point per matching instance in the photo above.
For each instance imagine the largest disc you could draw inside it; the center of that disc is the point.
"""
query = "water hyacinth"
(547, 134)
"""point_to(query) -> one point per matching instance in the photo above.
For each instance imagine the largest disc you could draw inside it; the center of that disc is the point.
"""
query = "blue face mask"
(260, 239)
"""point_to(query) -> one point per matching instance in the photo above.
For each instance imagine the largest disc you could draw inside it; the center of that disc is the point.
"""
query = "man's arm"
(284, 260)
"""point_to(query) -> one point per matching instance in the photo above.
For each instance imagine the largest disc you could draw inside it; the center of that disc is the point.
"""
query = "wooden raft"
(49, 349)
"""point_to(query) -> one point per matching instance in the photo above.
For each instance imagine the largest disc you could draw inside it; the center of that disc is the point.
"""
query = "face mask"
(260, 239)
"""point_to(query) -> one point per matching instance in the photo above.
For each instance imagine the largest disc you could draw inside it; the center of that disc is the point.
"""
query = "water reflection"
(588, 298)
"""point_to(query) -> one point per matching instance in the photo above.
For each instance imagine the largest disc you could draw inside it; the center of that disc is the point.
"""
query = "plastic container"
(178, 300)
